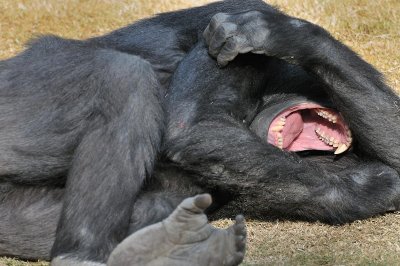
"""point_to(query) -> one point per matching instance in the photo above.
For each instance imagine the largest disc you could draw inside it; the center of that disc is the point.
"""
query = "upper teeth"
(328, 116)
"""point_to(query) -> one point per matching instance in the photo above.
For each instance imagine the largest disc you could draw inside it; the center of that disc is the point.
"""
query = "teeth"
(328, 116)
(283, 119)
(281, 123)
(332, 118)
(280, 142)
(326, 139)
(277, 128)
(342, 148)
(331, 141)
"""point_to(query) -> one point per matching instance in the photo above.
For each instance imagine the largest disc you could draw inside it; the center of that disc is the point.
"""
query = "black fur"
(91, 115)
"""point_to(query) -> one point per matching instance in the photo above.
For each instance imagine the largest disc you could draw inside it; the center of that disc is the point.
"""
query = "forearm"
(176, 30)
(357, 90)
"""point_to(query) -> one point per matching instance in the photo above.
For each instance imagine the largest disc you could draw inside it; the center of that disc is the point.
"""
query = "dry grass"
(372, 28)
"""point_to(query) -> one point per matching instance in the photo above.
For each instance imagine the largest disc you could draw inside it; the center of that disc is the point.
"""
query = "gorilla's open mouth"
(303, 125)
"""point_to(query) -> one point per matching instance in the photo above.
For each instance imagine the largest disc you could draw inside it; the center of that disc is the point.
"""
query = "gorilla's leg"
(29, 215)
(184, 238)
(93, 115)
(111, 162)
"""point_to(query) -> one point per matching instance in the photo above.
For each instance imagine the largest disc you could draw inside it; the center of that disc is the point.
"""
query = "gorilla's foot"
(184, 238)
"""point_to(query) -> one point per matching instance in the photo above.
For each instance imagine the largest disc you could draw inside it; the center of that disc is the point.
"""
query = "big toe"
(203, 201)
(197, 204)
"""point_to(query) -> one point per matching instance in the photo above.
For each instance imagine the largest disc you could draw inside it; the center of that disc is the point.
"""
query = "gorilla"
(105, 136)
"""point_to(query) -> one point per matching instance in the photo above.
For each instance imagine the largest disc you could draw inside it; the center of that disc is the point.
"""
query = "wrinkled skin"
(183, 238)
(263, 57)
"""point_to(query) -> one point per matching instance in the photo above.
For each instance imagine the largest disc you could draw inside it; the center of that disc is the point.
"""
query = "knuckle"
(218, 19)
(225, 31)
(232, 44)
(228, 27)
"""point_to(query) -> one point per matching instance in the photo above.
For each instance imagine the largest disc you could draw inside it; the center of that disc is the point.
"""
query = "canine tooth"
(277, 128)
(342, 148)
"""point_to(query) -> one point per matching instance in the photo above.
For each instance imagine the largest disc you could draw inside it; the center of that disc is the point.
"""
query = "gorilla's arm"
(358, 91)
(165, 39)
(209, 112)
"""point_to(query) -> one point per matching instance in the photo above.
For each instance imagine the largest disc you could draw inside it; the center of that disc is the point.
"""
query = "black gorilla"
(85, 123)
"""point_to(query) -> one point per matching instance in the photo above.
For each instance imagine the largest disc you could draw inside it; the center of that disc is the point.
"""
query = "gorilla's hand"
(269, 32)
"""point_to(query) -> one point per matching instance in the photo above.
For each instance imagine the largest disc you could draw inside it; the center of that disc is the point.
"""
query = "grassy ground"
(372, 28)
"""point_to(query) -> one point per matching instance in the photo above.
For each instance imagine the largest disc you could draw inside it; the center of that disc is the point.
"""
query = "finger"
(232, 47)
(224, 32)
(216, 20)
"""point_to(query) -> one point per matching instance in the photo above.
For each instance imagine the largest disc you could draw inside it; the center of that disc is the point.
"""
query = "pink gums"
(299, 131)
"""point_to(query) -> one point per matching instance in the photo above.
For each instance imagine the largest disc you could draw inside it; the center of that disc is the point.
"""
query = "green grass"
(371, 28)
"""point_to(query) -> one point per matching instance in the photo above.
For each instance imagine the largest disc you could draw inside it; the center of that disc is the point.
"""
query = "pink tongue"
(301, 124)
(293, 128)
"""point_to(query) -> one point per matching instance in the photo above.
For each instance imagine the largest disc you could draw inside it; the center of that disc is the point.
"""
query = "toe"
(203, 201)
(196, 204)
(240, 219)
(239, 256)
(240, 234)
(240, 225)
